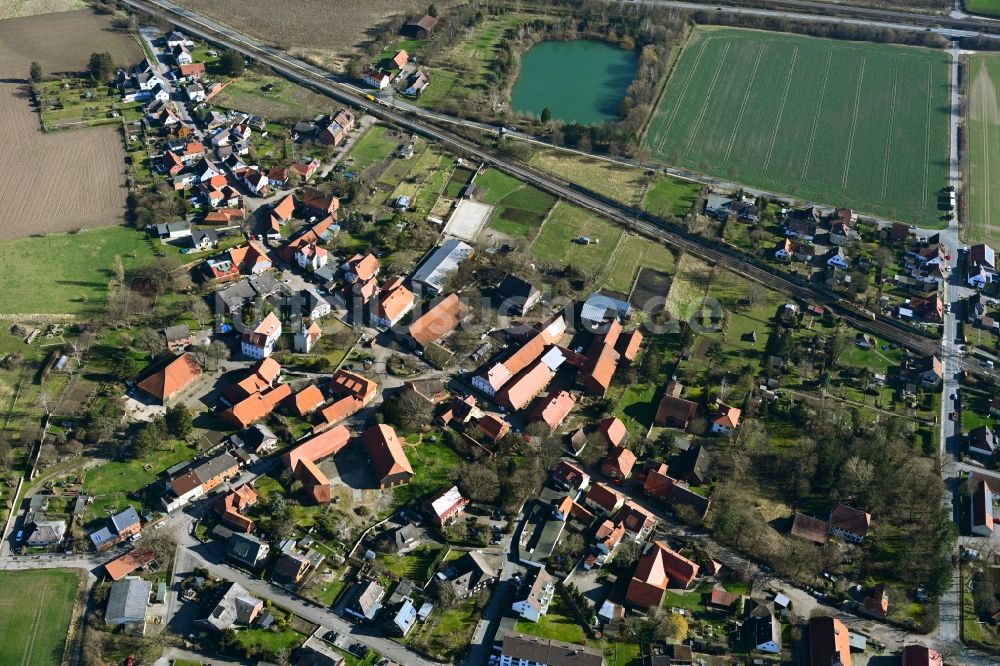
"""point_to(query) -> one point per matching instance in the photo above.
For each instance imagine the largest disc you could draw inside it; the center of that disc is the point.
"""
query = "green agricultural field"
(983, 124)
(556, 242)
(66, 273)
(35, 610)
(843, 123)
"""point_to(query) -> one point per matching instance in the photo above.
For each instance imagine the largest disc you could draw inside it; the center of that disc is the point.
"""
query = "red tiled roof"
(283, 209)
(493, 426)
(729, 417)
(613, 430)
(657, 483)
(517, 393)
(850, 520)
(255, 407)
(438, 322)
(619, 463)
(172, 378)
(127, 563)
(393, 300)
(655, 571)
(346, 383)
(553, 408)
(604, 496)
(920, 655)
(628, 345)
(385, 451)
(308, 399)
(829, 641)
(326, 444)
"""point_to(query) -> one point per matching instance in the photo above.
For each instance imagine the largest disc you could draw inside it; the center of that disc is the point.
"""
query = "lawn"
(274, 641)
(520, 208)
(670, 197)
(556, 624)
(417, 565)
(122, 476)
(66, 273)
(373, 147)
(983, 123)
(452, 631)
(286, 101)
(638, 252)
(660, 195)
(861, 125)
(566, 223)
(35, 610)
(433, 462)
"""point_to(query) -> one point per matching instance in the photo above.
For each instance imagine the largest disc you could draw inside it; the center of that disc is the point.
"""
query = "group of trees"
(176, 423)
(839, 458)
(101, 66)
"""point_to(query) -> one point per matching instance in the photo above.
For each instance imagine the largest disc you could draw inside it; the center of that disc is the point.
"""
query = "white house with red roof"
(445, 506)
(259, 343)
(727, 420)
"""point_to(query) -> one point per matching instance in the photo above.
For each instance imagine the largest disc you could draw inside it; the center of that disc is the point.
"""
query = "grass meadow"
(35, 610)
(846, 123)
(66, 273)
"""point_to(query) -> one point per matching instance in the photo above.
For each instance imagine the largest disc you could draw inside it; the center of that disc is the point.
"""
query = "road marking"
(854, 123)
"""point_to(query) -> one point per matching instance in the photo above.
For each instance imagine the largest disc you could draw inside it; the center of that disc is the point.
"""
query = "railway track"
(712, 251)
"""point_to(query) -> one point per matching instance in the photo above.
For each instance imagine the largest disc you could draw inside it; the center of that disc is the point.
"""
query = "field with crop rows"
(58, 181)
(845, 123)
(983, 122)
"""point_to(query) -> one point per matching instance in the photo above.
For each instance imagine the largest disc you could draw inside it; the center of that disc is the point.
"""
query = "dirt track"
(64, 180)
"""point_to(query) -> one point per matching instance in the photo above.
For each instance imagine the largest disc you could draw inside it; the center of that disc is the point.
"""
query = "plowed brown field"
(64, 180)
(327, 32)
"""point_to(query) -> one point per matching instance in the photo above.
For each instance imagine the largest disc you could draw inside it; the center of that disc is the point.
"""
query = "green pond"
(580, 81)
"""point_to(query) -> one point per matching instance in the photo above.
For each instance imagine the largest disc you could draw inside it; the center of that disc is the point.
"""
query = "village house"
(259, 343)
(303, 459)
(982, 440)
(727, 420)
(351, 393)
(199, 480)
(365, 600)
(657, 569)
(849, 523)
(516, 296)
(387, 457)
(234, 606)
(981, 516)
(761, 629)
(231, 506)
(392, 303)
(376, 78)
(306, 337)
(673, 410)
(553, 408)
(120, 527)
(445, 506)
(531, 602)
(170, 379)
(247, 550)
(829, 641)
(468, 574)
(568, 476)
